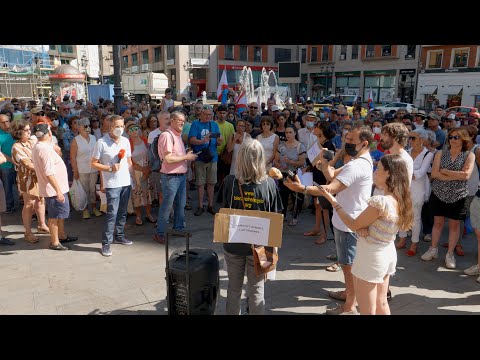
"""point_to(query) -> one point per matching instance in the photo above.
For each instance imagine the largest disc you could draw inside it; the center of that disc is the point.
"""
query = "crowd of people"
(389, 177)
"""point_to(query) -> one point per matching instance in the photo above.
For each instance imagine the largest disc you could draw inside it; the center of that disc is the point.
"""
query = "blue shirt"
(6, 144)
(337, 141)
(200, 130)
(440, 137)
(376, 156)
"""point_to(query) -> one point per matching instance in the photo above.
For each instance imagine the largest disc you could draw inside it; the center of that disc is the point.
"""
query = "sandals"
(293, 222)
(68, 239)
(321, 240)
(138, 221)
(400, 245)
(150, 219)
(43, 231)
(31, 238)
(337, 295)
(58, 247)
(334, 267)
(311, 233)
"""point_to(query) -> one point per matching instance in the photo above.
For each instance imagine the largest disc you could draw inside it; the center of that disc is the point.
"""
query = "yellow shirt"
(227, 130)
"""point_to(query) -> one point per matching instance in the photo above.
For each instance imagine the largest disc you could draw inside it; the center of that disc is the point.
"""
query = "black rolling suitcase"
(192, 280)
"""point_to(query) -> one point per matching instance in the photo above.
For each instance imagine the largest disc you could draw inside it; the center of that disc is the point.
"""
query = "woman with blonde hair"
(27, 180)
(377, 226)
(250, 177)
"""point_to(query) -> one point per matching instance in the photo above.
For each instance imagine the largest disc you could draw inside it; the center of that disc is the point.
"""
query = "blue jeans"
(117, 202)
(8, 179)
(346, 244)
(174, 194)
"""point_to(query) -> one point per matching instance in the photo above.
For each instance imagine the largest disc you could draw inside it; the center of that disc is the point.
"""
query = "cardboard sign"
(248, 229)
(313, 152)
(221, 230)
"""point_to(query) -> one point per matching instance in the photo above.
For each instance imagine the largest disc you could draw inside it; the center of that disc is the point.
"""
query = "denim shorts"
(346, 243)
(56, 209)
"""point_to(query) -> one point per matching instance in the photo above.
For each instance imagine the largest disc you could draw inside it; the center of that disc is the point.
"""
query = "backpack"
(153, 155)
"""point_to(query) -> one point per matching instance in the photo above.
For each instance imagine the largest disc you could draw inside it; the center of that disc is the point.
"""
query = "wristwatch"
(110, 169)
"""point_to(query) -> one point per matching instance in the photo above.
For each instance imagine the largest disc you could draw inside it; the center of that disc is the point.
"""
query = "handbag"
(265, 258)
(206, 155)
(227, 156)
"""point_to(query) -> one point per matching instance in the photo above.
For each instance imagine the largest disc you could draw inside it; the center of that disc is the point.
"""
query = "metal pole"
(117, 88)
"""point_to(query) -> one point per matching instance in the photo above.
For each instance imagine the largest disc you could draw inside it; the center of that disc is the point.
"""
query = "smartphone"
(328, 155)
(197, 153)
(214, 135)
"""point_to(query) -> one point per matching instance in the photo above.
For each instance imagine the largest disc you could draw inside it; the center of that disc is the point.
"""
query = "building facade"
(389, 70)
(449, 75)
(105, 57)
(62, 54)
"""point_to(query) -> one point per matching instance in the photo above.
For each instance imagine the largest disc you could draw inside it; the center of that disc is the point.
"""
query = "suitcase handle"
(187, 246)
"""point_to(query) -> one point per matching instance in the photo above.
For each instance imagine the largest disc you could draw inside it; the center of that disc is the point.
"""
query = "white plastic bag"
(78, 196)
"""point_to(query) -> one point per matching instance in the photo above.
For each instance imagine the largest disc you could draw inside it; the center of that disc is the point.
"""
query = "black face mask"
(351, 150)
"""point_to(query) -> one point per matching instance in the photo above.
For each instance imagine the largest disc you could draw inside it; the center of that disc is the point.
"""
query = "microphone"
(121, 155)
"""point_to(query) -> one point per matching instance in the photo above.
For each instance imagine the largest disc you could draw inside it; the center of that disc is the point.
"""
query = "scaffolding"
(24, 71)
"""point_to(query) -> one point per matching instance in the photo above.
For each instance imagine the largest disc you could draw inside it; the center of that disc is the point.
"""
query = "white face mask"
(310, 124)
(55, 122)
(377, 130)
(118, 132)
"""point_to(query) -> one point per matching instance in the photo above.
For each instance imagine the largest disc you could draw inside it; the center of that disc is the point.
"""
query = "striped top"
(385, 228)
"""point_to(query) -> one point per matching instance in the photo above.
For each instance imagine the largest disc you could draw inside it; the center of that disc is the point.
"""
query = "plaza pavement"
(36, 280)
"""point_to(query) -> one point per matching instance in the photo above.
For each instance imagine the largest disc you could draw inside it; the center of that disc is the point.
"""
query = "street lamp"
(84, 63)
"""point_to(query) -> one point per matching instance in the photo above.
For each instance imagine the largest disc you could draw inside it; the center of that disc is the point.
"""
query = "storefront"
(347, 83)
(406, 85)
(382, 83)
(321, 85)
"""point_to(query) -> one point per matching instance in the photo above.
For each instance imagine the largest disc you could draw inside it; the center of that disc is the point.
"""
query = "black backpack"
(153, 155)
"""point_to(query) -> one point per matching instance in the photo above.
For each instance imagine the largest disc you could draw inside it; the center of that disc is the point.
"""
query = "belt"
(173, 174)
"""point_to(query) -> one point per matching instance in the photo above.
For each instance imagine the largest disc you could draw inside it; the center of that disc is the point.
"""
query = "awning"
(428, 90)
(453, 89)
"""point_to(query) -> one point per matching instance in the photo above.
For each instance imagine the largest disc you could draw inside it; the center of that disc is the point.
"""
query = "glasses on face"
(454, 137)
(308, 108)
(412, 138)
(341, 115)
(40, 113)
(133, 128)
(253, 107)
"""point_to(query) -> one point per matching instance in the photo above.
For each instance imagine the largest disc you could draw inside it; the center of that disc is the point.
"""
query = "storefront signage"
(240, 67)
(321, 74)
(379, 72)
(348, 73)
(408, 72)
(451, 70)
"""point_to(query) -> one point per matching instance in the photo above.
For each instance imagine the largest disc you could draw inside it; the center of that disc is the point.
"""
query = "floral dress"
(26, 178)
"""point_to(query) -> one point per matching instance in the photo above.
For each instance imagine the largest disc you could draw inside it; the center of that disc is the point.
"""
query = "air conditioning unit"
(134, 69)
(342, 56)
(146, 67)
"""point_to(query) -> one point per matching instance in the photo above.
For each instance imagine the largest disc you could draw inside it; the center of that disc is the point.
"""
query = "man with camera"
(204, 136)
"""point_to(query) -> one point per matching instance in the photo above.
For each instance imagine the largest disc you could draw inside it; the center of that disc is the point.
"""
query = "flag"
(241, 102)
(222, 85)
(371, 102)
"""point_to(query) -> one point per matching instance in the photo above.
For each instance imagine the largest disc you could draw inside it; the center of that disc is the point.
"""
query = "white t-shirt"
(409, 161)
(153, 134)
(357, 176)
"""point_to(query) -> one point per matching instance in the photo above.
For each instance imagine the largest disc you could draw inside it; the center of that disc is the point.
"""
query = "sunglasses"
(253, 107)
(412, 137)
(133, 128)
(40, 113)
(341, 115)
(454, 137)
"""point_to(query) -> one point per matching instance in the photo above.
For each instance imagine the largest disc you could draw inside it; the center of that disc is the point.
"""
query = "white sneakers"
(473, 270)
(450, 261)
(432, 253)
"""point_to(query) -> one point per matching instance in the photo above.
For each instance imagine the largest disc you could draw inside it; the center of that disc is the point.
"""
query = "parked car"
(458, 110)
(395, 106)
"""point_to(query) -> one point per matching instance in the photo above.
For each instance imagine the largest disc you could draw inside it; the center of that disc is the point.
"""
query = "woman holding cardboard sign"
(249, 189)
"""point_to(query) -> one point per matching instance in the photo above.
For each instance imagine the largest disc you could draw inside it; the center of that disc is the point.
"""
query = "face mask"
(322, 116)
(350, 149)
(55, 122)
(118, 132)
(310, 124)
(377, 130)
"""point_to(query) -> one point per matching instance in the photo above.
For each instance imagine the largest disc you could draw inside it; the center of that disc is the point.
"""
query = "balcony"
(158, 66)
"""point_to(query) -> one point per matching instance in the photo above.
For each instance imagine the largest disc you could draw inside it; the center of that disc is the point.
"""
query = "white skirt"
(373, 261)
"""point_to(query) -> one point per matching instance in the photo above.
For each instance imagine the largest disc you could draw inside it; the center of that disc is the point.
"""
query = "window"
(325, 53)
(170, 52)
(257, 54)
(460, 57)
(125, 62)
(410, 52)
(243, 53)
(304, 56)
(386, 50)
(135, 59)
(65, 48)
(343, 52)
(283, 55)
(52, 47)
(199, 51)
(228, 52)
(354, 52)
(435, 59)
(157, 54)
(313, 55)
(370, 51)
(145, 57)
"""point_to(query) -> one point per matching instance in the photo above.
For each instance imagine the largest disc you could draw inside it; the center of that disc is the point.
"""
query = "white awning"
(453, 89)
(427, 89)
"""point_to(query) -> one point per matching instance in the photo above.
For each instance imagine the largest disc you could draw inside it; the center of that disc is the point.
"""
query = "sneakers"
(432, 253)
(123, 241)
(86, 214)
(97, 212)
(472, 270)
(199, 211)
(428, 238)
(5, 241)
(450, 261)
(211, 210)
(159, 238)
(106, 250)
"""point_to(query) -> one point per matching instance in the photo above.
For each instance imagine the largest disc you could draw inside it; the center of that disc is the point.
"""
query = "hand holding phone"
(214, 135)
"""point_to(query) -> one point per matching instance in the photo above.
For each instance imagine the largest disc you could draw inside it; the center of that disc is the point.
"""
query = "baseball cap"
(420, 113)
(40, 130)
(326, 108)
(36, 110)
(450, 117)
(275, 108)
